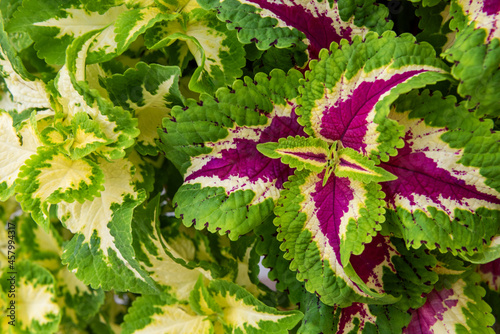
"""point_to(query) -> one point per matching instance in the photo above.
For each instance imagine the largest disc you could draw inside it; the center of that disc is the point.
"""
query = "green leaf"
(15, 151)
(298, 152)
(358, 167)
(50, 177)
(201, 301)
(162, 313)
(101, 250)
(158, 94)
(34, 285)
(159, 259)
(241, 312)
(217, 51)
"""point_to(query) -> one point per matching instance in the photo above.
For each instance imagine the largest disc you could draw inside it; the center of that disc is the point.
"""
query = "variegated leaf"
(158, 258)
(444, 196)
(282, 23)
(458, 309)
(358, 167)
(321, 226)
(490, 273)
(298, 152)
(149, 92)
(115, 123)
(15, 151)
(241, 312)
(161, 313)
(347, 94)
(32, 285)
(213, 143)
(475, 53)
(217, 51)
(50, 177)
(103, 240)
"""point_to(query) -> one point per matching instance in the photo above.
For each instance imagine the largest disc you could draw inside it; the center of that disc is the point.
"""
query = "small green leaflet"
(298, 152)
(358, 167)
(314, 154)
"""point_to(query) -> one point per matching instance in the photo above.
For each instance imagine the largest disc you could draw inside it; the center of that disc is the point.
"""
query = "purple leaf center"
(347, 120)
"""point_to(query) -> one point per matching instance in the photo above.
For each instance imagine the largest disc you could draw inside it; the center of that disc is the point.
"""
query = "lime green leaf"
(116, 124)
(101, 251)
(50, 177)
(157, 257)
(475, 53)
(298, 152)
(241, 312)
(201, 301)
(161, 314)
(15, 151)
(358, 167)
(217, 51)
(150, 104)
(78, 301)
(34, 285)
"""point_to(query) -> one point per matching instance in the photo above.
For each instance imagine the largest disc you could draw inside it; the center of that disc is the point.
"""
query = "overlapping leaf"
(446, 196)
(217, 51)
(14, 152)
(325, 216)
(213, 143)
(101, 249)
(33, 285)
(282, 23)
(54, 26)
(476, 53)
(157, 257)
(149, 92)
(455, 309)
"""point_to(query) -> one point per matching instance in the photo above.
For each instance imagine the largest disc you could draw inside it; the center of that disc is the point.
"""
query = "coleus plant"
(154, 152)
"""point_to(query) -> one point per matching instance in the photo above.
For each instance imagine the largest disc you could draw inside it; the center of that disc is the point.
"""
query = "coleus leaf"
(78, 301)
(50, 177)
(160, 91)
(103, 239)
(53, 26)
(266, 22)
(217, 51)
(59, 25)
(435, 25)
(38, 245)
(320, 226)
(298, 152)
(441, 185)
(34, 285)
(115, 123)
(347, 94)
(475, 53)
(213, 143)
(15, 151)
(26, 90)
(151, 313)
(490, 273)
(241, 312)
(456, 309)
(157, 257)
(356, 166)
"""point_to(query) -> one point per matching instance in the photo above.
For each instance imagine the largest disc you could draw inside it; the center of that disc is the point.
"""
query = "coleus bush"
(153, 152)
